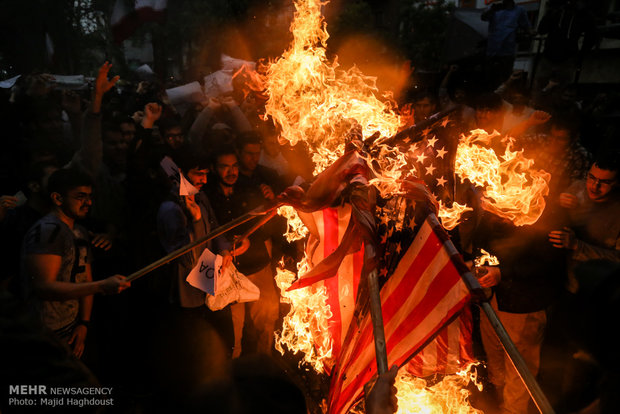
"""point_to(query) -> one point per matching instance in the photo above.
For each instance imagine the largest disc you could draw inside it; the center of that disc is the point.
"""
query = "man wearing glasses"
(594, 210)
(56, 261)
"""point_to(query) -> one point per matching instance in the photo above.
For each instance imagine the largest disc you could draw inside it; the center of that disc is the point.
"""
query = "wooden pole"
(511, 350)
(517, 361)
(377, 321)
(182, 250)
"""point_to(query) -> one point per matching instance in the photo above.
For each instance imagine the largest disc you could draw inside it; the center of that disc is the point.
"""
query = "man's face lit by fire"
(197, 177)
(489, 118)
(227, 169)
(249, 157)
(600, 183)
(76, 203)
(423, 109)
(559, 139)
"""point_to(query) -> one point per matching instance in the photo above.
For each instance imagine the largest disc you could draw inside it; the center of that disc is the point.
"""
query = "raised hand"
(102, 83)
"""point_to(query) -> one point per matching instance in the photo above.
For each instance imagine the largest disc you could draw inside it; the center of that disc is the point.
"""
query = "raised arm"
(90, 155)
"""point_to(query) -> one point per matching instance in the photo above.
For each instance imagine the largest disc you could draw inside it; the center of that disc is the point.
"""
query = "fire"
(512, 188)
(449, 396)
(296, 230)
(305, 327)
(314, 101)
(450, 216)
(486, 258)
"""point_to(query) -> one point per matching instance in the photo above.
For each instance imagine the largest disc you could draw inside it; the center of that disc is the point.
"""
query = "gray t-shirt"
(52, 236)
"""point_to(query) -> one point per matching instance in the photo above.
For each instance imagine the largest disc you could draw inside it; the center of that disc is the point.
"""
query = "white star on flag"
(441, 152)
(426, 132)
(431, 142)
(445, 122)
(430, 170)
(441, 181)
(421, 158)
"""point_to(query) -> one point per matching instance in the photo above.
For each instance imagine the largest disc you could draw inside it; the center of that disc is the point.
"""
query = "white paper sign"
(70, 81)
(231, 287)
(230, 63)
(202, 275)
(172, 171)
(8, 83)
(186, 188)
(222, 287)
(218, 83)
(145, 70)
(190, 92)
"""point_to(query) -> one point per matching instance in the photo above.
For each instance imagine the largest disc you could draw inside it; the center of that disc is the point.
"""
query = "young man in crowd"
(254, 261)
(184, 218)
(56, 261)
(593, 205)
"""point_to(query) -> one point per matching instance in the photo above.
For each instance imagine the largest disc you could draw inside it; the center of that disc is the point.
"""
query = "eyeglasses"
(597, 180)
(82, 197)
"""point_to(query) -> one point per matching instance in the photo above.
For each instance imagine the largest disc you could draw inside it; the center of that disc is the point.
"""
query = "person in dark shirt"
(260, 182)
(56, 261)
(230, 201)
(528, 281)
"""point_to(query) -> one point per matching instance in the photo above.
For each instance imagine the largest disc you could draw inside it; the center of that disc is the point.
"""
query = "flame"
(450, 216)
(512, 188)
(449, 396)
(305, 327)
(314, 101)
(486, 258)
(296, 230)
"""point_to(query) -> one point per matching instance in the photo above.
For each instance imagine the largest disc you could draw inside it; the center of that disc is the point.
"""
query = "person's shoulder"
(169, 207)
(47, 235)
(265, 171)
(48, 223)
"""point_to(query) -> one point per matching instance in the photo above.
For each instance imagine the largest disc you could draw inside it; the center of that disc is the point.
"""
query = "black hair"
(66, 179)
(167, 123)
(222, 149)
(35, 173)
(247, 138)
(608, 160)
(488, 100)
(111, 125)
(187, 159)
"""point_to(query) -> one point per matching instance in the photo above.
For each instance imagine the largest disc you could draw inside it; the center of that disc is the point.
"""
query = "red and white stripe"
(423, 295)
(341, 289)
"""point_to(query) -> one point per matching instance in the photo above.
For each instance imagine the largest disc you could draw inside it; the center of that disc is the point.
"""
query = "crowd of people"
(86, 202)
